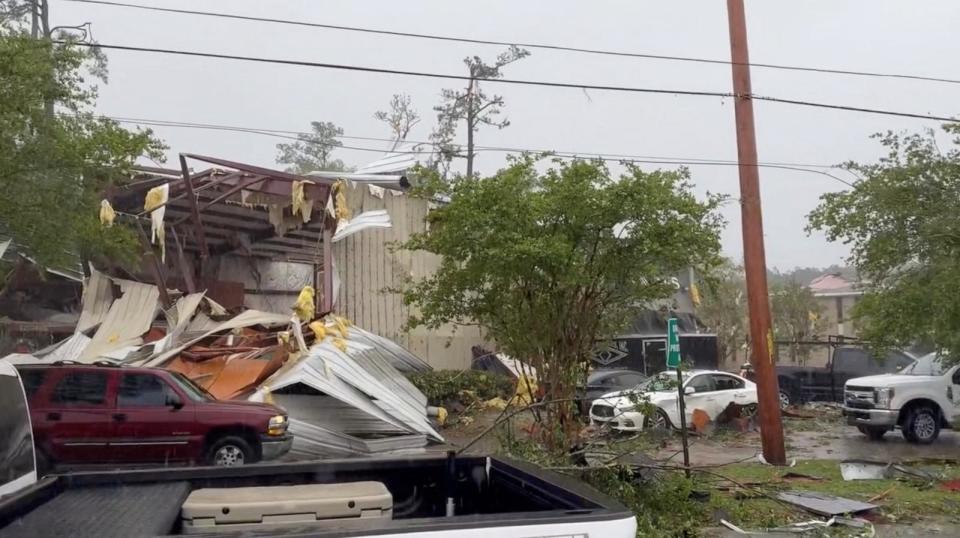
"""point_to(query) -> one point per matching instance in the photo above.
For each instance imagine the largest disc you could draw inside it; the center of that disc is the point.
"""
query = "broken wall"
(269, 285)
(367, 268)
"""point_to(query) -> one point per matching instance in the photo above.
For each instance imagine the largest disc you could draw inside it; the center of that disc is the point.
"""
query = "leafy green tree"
(313, 151)
(797, 316)
(901, 223)
(724, 308)
(472, 106)
(550, 263)
(55, 166)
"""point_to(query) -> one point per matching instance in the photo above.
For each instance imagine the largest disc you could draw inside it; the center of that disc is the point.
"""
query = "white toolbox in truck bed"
(249, 508)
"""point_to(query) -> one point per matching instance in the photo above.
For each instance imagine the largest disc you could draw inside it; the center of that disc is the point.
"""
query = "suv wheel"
(921, 426)
(874, 433)
(230, 451)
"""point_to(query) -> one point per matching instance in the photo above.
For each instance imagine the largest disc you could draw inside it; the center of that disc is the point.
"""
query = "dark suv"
(108, 414)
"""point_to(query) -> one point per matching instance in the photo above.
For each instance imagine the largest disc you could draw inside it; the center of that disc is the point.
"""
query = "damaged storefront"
(237, 292)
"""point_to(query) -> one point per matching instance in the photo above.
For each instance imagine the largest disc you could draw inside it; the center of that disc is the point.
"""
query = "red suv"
(110, 414)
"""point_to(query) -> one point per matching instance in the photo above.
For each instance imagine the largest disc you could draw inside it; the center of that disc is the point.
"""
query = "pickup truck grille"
(602, 411)
(859, 397)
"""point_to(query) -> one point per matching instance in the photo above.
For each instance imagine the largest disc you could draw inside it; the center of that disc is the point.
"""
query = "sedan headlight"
(883, 396)
(277, 425)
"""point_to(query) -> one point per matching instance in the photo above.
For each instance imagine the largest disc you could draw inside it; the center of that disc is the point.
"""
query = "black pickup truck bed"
(489, 493)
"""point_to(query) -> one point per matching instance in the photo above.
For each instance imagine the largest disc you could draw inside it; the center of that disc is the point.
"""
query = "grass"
(901, 500)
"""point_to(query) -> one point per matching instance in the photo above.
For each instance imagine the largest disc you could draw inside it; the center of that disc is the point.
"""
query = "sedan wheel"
(658, 422)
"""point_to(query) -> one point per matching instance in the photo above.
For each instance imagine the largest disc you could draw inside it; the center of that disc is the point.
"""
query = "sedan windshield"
(660, 382)
(929, 364)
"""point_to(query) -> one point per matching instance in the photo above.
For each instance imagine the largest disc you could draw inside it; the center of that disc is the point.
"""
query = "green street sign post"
(673, 361)
(673, 344)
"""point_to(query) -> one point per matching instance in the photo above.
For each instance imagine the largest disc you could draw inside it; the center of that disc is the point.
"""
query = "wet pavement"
(831, 440)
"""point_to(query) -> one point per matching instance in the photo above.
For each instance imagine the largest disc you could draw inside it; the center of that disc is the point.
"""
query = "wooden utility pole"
(754, 258)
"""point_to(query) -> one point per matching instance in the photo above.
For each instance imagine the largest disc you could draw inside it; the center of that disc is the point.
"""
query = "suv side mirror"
(689, 390)
(174, 401)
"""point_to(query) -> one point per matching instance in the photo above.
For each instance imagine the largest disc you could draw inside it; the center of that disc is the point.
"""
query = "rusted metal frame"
(195, 212)
(170, 200)
(185, 268)
(153, 265)
(326, 306)
(224, 196)
(318, 186)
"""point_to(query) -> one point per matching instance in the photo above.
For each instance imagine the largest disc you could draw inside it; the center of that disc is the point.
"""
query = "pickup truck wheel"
(230, 451)
(784, 399)
(921, 426)
(872, 432)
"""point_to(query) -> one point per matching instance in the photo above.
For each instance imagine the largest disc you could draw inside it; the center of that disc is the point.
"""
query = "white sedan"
(709, 390)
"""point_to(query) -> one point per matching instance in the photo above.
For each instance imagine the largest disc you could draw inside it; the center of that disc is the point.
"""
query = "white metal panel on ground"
(179, 317)
(344, 366)
(311, 372)
(96, 300)
(128, 319)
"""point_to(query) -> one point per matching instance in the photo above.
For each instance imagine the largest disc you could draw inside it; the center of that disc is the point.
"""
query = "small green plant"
(443, 386)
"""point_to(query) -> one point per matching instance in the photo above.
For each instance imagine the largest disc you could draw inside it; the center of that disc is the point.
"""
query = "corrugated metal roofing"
(128, 319)
(96, 300)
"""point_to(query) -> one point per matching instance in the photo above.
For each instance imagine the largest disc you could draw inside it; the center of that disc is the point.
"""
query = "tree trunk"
(35, 19)
(471, 119)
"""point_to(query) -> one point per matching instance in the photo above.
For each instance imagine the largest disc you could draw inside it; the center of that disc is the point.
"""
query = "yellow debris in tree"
(304, 305)
(497, 403)
(299, 203)
(319, 329)
(441, 415)
(526, 389)
(107, 214)
(340, 202)
(341, 344)
(695, 294)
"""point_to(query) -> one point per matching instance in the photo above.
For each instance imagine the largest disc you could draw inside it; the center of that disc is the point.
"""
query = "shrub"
(441, 386)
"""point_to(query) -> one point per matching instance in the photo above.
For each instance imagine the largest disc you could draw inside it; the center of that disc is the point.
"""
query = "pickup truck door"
(76, 417)
(152, 421)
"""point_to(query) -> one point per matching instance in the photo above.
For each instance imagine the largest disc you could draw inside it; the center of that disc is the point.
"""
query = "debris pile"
(343, 387)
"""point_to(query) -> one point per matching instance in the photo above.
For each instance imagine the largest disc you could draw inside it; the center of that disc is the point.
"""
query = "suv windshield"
(196, 392)
(930, 364)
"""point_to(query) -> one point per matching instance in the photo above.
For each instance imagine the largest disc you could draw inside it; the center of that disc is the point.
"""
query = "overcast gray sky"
(871, 35)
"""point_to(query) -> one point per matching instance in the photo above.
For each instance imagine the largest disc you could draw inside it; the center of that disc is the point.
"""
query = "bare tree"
(472, 106)
(401, 118)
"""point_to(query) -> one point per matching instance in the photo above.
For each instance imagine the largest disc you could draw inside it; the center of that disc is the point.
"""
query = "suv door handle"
(53, 416)
(120, 417)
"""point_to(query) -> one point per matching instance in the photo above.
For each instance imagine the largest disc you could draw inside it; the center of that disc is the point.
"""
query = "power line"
(519, 44)
(607, 157)
(568, 85)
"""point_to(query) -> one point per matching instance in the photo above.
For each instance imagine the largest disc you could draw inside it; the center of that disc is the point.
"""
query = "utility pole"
(754, 258)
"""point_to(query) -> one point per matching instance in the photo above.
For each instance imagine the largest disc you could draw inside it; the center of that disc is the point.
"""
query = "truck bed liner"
(106, 511)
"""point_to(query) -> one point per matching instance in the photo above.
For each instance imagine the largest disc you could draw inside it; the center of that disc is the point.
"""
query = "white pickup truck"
(920, 399)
